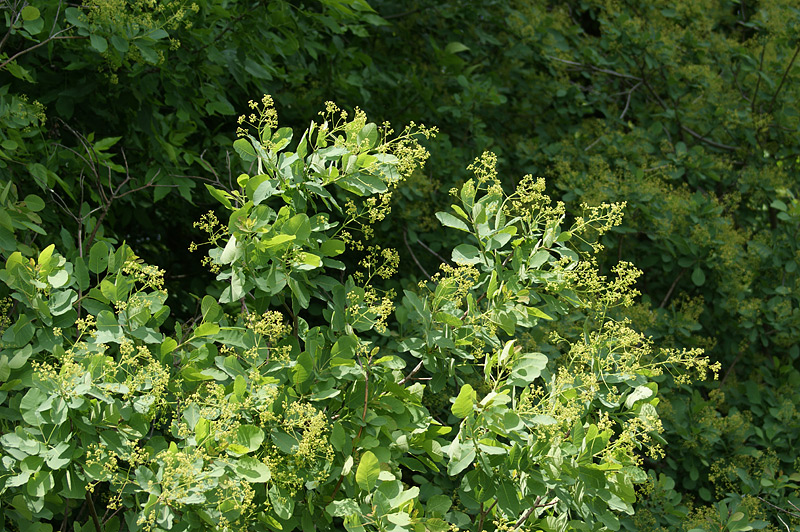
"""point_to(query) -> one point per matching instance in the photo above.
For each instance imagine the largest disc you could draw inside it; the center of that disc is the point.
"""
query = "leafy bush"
(507, 390)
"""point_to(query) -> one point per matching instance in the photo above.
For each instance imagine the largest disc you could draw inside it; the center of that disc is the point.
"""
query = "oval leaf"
(368, 470)
(462, 407)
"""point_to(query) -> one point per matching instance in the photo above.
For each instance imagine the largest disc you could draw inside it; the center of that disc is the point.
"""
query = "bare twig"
(594, 68)
(595, 141)
(55, 37)
(758, 78)
(524, 517)
(484, 514)
(628, 101)
(92, 512)
(411, 374)
(432, 252)
(708, 141)
(783, 79)
(671, 288)
(405, 239)
(784, 510)
(537, 504)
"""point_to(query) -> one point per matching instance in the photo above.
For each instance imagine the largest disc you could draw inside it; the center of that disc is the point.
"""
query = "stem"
(92, 512)
(758, 78)
(53, 38)
(405, 239)
(413, 372)
(783, 79)
(484, 514)
(671, 288)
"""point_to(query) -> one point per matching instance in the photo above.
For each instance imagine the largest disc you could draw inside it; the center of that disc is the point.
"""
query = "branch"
(414, 256)
(413, 372)
(432, 252)
(783, 79)
(628, 102)
(524, 517)
(758, 79)
(594, 68)
(671, 288)
(92, 512)
(35, 46)
(708, 141)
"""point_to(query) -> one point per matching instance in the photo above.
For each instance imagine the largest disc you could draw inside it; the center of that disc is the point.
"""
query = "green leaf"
(265, 190)
(281, 138)
(527, 368)
(98, 257)
(32, 202)
(438, 505)
(211, 311)
(639, 393)
(466, 254)
(253, 470)
(461, 457)
(455, 47)
(108, 328)
(368, 133)
(250, 437)
(448, 220)
(332, 248)
(245, 150)
(448, 319)
(298, 225)
(29, 13)
(368, 470)
(146, 49)
(342, 508)
(282, 502)
(206, 329)
(120, 44)
(221, 196)
(98, 43)
(276, 241)
(201, 430)
(538, 313)
(698, 277)
(231, 252)
(463, 405)
(168, 346)
(239, 386)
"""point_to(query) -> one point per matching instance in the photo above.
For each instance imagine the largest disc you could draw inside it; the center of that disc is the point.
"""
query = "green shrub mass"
(213, 317)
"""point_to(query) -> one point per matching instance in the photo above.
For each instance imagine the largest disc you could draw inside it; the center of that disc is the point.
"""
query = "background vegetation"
(114, 114)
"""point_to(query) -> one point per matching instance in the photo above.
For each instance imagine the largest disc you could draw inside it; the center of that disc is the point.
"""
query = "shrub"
(507, 389)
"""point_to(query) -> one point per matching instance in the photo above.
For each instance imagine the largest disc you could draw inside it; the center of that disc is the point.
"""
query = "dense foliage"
(686, 111)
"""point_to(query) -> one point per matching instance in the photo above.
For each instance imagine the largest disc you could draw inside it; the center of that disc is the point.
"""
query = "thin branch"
(758, 78)
(405, 14)
(793, 514)
(10, 28)
(730, 368)
(708, 141)
(484, 514)
(524, 517)
(92, 512)
(35, 46)
(783, 79)
(405, 239)
(595, 141)
(432, 252)
(413, 372)
(671, 288)
(628, 102)
(594, 68)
